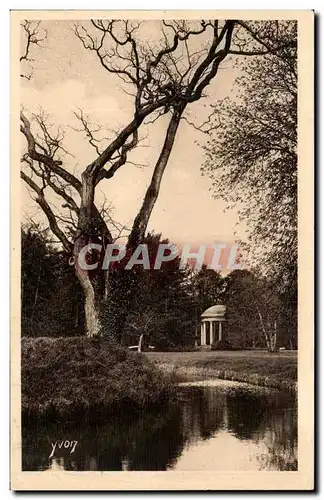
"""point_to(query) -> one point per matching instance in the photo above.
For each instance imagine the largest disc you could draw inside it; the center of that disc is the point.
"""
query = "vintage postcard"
(162, 329)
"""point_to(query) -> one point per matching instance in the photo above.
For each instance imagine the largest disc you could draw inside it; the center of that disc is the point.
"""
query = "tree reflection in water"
(271, 419)
(155, 440)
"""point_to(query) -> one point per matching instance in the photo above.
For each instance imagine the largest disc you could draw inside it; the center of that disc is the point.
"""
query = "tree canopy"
(251, 156)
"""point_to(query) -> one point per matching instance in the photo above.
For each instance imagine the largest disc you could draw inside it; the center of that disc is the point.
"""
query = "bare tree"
(165, 77)
(141, 324)
(33, 35)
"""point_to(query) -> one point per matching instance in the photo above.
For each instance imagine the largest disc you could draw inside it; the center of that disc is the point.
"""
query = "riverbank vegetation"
(64, 377)
(166, 307)
(276, 370)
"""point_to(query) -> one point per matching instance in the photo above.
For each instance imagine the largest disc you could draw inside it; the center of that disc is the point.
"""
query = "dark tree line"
(165, 311)
(51, 298)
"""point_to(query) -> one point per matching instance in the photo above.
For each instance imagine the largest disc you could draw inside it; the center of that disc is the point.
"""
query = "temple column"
(211, 332)
(203, 333)
(220, 331)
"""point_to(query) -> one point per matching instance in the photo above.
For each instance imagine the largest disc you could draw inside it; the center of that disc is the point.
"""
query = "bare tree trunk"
(120, 290)
(264, 332)
(274, 338)
(91, 302)
(91, 307)
(85, 223)
(151, 195)
(140, 342)
(270, 337)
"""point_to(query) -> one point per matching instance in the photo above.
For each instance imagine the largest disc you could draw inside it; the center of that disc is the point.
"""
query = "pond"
(223, 428)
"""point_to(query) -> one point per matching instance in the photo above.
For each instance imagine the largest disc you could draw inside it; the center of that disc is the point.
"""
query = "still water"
(223, 428)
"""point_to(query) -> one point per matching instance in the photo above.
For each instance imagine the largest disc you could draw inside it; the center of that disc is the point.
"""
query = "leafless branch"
(51, 171)
(206, 127)
(89, 129)
(46, 158)
(107, 174)
(40, 199)
(166, 77)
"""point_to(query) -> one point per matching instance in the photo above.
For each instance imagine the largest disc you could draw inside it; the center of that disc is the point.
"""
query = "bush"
(81, 376)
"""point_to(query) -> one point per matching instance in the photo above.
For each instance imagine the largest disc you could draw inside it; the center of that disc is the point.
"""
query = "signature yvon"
(63, 444)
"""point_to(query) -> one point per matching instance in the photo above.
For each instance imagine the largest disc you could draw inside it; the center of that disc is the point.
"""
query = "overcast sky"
(67, 77)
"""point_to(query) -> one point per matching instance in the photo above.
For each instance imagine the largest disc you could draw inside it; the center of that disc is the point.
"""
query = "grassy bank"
(277, 370)
(71, 376)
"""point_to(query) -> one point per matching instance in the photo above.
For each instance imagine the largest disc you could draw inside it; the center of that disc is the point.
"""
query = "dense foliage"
(251, 159)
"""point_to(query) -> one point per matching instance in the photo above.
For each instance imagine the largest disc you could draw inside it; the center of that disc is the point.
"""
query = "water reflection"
(207, 428)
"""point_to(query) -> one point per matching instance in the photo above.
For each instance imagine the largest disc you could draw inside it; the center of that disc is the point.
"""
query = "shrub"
(77, 375)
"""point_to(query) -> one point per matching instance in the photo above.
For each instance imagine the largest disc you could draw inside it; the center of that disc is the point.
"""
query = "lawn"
(277, 370)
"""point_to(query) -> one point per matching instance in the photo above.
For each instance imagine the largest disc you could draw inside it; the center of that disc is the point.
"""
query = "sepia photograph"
(161, 250)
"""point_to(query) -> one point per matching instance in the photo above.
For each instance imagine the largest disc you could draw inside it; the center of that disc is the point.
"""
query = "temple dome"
(217, 311)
